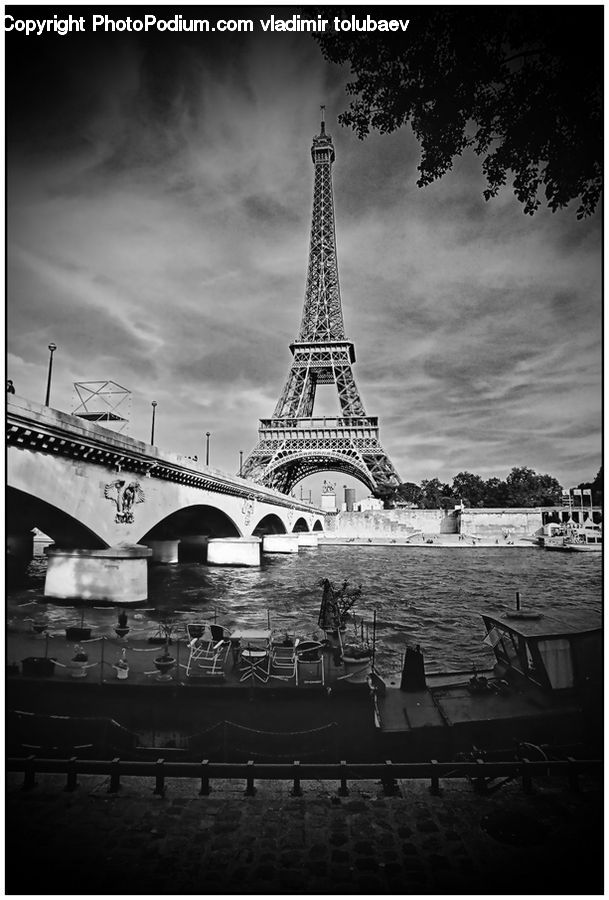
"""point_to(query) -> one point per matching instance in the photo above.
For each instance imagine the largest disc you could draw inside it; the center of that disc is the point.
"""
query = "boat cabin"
(549, 651)
(591, 534)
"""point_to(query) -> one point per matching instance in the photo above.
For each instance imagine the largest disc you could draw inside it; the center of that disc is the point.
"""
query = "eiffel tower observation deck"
(294, 443)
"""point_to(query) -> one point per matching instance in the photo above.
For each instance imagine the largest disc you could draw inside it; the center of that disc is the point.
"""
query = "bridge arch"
(269, 524)
(290, 468)
(25, 512)
(196, 519)
(318, 525)
(300, 525)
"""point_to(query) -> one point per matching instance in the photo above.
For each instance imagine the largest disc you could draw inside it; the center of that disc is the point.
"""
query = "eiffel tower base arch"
(285, 466)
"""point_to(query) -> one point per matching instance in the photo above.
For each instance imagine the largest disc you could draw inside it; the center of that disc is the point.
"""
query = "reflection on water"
(432, 597)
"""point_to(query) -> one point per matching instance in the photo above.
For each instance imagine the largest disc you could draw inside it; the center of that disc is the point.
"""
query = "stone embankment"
(429, 541)
(89, 841)
(426, 527)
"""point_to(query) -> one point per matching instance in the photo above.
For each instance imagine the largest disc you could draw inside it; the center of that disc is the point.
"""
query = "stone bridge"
(110, 503)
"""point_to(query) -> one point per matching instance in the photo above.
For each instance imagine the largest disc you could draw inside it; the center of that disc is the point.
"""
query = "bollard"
(29, 774)
(390, 786)
(527, 780)
(296, 789)
(159, 787)
(435, 779)
(343, 790)
(71, 782)
(250, 790)
(205, 788)
(115, 776)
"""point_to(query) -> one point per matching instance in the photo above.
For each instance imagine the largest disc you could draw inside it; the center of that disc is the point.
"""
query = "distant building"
(368, 503)
(349, 499)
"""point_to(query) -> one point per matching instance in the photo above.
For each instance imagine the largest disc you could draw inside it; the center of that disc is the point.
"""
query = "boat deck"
(219, 717)
(105, 651)
(453, 705)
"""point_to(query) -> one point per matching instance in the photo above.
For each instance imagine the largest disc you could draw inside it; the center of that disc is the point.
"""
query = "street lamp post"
(207, 435)
(154, 406)
(240, 463)
(52, 348)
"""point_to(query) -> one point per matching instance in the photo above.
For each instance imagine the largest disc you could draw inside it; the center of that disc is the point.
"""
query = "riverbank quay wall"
(401, 523)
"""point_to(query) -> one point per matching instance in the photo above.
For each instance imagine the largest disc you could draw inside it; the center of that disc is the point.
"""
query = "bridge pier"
(280, 543)
(163, 551)
(308, 539)
(233, 551)
(114, 575)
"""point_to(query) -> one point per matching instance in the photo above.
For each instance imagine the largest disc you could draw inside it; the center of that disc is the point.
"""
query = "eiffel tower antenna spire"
(294, 444)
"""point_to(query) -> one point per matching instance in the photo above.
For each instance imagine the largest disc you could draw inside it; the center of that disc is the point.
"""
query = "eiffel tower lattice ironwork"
(293, 443)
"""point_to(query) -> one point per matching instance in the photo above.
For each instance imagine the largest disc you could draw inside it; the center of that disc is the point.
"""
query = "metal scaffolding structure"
(103, 401)
(293, 444)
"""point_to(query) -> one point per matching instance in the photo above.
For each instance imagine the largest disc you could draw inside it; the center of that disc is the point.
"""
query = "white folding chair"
(209, 646)
(283, 660)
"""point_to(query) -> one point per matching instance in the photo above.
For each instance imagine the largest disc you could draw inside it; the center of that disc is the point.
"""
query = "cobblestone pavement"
(89, 841)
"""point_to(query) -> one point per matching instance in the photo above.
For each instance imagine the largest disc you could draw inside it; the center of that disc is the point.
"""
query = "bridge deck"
(40, 429)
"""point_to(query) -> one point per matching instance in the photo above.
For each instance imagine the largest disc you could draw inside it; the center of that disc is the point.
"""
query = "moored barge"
(255, 695)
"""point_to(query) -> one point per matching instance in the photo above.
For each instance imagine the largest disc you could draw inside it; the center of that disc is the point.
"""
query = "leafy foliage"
(435, 494)
(469, 487)
(526, 488)
(523, 487)
(596, 487)
(386, 492)
(408, 492)
(337, 603)
(520, 86)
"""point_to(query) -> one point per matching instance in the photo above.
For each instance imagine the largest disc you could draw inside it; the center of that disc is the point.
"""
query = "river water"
(427, 596)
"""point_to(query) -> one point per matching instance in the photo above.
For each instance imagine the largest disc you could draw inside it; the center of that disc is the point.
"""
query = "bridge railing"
(324, 422)
(480, 772)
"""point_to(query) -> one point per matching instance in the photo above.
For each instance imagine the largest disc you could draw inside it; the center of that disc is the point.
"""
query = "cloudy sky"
(159, 197)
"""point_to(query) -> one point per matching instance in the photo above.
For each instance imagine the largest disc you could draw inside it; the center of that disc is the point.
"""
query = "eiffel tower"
(294, 444)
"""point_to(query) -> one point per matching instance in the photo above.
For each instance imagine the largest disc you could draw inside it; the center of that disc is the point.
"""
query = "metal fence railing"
(480, 772)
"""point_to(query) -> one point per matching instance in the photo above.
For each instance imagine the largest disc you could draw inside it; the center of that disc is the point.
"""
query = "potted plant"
(79, 662)
(122, 666)
(357, 654)
(122, 628)
(165, 663)
(39, 666)
(336, 604)
(39, 627)
(80, 632)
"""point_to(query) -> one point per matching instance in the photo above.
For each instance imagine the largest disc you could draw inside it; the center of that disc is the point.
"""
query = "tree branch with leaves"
(520, 86)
